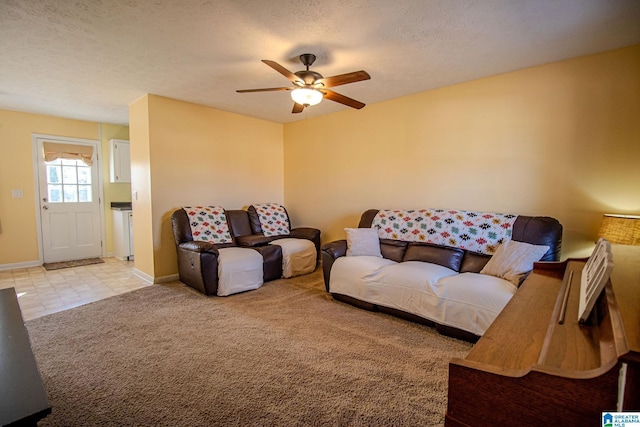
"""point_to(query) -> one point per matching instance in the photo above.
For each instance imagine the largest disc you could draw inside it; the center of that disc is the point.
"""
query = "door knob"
(45, 207)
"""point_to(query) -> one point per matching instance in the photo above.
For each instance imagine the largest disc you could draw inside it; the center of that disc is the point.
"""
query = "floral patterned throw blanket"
(480, 232)
(208, 224)
(274, 220)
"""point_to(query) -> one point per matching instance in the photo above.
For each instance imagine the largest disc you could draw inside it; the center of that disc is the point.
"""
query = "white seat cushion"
(298, 256)
(349, 274)
(408, 286)
(472, 301)
(467, 301)
(239, 270)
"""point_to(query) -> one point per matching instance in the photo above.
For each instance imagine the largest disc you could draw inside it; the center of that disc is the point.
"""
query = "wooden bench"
(23, 400)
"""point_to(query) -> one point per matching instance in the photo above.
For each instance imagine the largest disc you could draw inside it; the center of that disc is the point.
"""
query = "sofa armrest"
(253, 240)
(305, 233)
(331, 252)
(335, 249)
(197, 246)
(308, 233)
(198, 266)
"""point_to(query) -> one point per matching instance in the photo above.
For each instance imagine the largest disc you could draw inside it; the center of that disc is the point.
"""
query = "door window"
(68, 181)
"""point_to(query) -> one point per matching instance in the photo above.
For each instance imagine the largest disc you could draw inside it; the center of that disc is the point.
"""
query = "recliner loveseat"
(199, 258)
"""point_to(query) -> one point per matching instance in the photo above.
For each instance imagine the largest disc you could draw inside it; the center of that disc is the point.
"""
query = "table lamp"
(621, 229)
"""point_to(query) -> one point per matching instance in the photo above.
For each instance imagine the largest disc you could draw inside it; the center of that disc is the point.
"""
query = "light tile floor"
(42, 292)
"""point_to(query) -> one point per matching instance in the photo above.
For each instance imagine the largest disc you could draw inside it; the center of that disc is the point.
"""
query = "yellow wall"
(113, 192)
(561, 140)
(141, 185)
(18, 239)
(197, 155)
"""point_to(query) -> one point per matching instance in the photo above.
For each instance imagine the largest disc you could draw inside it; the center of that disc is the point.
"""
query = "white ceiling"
(89, 59)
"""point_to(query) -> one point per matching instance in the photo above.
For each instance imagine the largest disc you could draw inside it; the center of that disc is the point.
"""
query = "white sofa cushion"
(298, 256)
(239, 270)
(467, 301)
(407, 285)
(349, 273)
(472, 301)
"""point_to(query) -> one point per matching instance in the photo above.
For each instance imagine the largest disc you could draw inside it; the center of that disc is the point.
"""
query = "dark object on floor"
(24, 400)
(75, 263)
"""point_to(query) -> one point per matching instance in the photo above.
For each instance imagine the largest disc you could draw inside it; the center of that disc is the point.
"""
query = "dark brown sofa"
(534, 230)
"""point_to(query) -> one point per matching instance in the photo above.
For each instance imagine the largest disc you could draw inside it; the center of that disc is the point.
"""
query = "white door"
(70, 214)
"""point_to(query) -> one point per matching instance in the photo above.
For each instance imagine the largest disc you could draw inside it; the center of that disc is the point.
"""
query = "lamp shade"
(621, 229)
(306, 97)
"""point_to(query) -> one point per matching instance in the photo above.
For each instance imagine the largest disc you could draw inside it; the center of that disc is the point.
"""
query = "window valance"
(54, 151)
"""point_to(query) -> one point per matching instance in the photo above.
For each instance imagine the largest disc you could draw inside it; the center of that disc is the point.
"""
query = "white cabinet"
(123, 234)
(119, 161)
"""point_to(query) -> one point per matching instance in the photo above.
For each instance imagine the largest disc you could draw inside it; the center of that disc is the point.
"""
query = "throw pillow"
(363, 241)
(513, 260)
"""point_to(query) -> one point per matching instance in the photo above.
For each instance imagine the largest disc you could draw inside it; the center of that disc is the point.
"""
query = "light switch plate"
(17, 194)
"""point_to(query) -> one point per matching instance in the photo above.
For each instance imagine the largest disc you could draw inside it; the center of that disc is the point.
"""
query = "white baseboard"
(142, 275)
(149, 279)
(26, 264)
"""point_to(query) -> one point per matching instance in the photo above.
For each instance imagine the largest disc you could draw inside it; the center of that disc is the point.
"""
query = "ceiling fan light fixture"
(306, 96)
(310, 87)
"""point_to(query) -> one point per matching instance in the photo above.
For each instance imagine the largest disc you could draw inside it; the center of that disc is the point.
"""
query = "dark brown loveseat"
(198, 260)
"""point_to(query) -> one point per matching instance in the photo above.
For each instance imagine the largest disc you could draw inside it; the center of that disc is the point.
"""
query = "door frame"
(97, 148)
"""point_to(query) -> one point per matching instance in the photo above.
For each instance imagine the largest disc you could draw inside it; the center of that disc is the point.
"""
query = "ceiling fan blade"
(342, 79)
(266, 89)
(297, 108)
(279, 68)
(334, 96)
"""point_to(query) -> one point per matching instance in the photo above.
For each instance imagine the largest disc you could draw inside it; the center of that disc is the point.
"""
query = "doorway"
(69, 199)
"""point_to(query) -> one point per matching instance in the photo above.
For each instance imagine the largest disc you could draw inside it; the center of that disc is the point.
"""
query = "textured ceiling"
(89, 59)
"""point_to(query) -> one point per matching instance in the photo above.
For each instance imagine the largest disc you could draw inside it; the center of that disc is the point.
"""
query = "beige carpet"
(286, 354)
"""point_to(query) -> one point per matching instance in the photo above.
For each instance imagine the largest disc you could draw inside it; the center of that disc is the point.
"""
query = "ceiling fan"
(310, 87)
